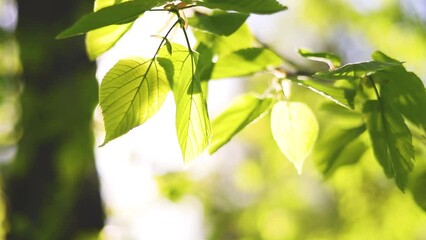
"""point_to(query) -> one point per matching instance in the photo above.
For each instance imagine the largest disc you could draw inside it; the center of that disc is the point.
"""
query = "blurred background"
(57, 184)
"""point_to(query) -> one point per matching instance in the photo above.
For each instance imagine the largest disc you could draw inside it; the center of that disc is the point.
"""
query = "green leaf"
(205, 62)
(245, 62)
(212, 45)
(116, 14)
(295, 129)
(355, 71)
(391, 140)
(130, 93)
(223, 45)
(167, 43)
(243, 111)
(406, 92)
(204, 67)
(245, 6)
(402, 89)
(333, 61)
(99, 4)
(340, 95)
(345, 118)
(418, 189)
(221, 23)
(339, 147)
(192, 120)
(381, 57)
(101, 40)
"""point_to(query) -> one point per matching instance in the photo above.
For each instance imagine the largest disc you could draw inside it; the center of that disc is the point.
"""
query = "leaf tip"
(299, 167)
(60, 36)
(212, 149)
(104, 143)
(66, 34)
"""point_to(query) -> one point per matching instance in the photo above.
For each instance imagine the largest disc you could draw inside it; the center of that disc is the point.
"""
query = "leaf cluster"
(385, 98)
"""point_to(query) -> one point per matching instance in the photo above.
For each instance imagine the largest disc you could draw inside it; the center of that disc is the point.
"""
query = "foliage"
(385, 99)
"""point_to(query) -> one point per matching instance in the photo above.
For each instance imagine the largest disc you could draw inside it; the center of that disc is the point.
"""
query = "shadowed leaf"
(339, 147)
(402, 89)
(391, 140)
(221, 23)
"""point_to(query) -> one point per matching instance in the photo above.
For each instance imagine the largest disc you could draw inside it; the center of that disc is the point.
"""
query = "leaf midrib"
(136, 93)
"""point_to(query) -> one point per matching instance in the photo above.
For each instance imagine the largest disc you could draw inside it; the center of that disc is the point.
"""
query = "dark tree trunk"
(52, 186)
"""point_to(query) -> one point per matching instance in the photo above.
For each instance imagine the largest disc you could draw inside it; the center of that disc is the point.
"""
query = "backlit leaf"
(295, 129)
(130, 93)
(391, 140)
(243, 111)
(99, 4)
(244, 62)
(245, 6)
(221, 23)
(101, 40)
(223, 45)
(192, 120)
(116, 14)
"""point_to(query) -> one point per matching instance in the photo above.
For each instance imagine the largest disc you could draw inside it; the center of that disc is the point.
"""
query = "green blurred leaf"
(101, 40)
(221, 23)
(340, 95)
(355, 71)
(418, 189)
(245, 62)
(116, 14)
(333, 61)
(245, 6)
(130, 93)
(223, 45)
(339, 147)
(174, 186)
(391, 140)
(192, 120)
(346, 118)
(243, 111)
(99, 4)
(212, 45)
(295, 129)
